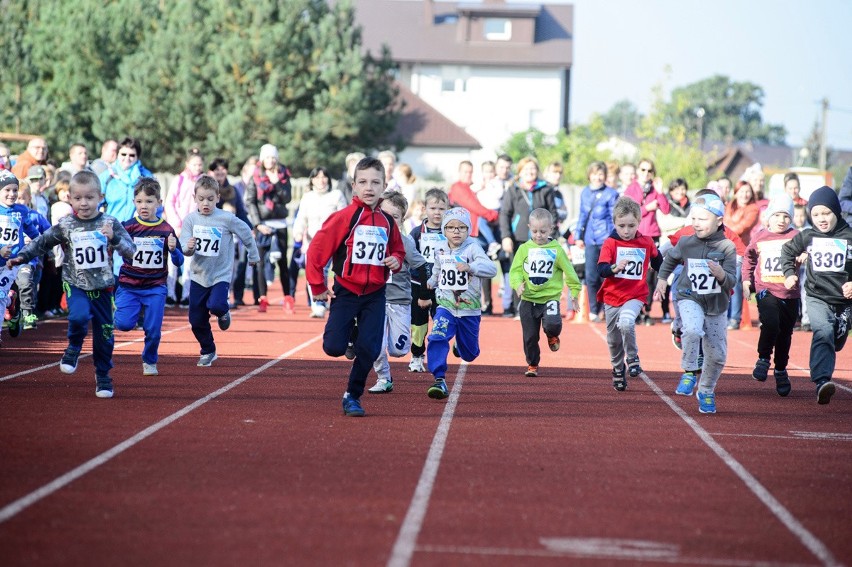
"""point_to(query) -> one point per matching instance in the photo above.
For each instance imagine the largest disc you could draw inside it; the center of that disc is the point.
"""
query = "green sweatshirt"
(544, 271)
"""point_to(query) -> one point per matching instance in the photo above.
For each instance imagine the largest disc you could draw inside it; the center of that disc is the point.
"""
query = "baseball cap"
(35, 172)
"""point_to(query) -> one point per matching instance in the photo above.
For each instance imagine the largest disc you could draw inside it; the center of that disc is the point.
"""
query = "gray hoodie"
(696, 283)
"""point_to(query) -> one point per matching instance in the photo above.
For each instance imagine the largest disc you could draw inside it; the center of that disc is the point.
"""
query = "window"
(498, 29)
(453, 85)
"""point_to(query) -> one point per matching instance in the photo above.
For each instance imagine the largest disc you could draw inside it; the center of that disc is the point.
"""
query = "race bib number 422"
(540, 262)
(89, 249)
(369, 245)
(208, 240)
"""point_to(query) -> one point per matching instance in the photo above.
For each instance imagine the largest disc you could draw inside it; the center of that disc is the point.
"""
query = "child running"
(207, 235)
(460, 262)
(703, 294)
(396, 340)
(142, 282)
(778, 306)
(828, 283)
(539, 272)
(623, 265)
(15, 223)
(87, 274)
(365, 247)
(427, 236)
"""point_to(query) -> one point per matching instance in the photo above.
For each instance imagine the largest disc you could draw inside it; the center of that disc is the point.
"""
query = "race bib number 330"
(369, 245)
(89, 249)
(828, 254)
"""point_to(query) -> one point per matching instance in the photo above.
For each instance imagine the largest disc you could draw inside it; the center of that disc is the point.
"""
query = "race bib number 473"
(208, 240)
(149, 252)
(369, 245)
(89, 249)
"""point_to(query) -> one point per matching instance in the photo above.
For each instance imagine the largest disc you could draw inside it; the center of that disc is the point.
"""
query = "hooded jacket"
(595, 221)
(829, 263)
(697, 283)
(517, 204)
(356, 250)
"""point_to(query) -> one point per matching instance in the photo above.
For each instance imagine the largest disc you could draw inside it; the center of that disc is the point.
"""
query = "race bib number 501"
(89, 249)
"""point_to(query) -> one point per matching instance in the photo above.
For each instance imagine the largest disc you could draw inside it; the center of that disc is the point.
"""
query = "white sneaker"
(382, 387)
(416, 364)
(149, 369)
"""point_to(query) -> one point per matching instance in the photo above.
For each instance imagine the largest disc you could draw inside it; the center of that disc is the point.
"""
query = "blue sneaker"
(438, 390)
(761, 370)
(352, 407)
(707, 402)
(68, 364)
(686, 385)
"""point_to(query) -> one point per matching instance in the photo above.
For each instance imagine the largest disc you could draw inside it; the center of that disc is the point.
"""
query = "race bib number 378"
(369, 245)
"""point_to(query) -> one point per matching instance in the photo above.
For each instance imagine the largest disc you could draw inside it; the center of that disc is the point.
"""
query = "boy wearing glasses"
(460, 262)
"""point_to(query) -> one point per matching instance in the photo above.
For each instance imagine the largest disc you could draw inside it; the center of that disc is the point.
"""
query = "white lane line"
(807, 539)
(804, 435)
(82, 356)
(406, 540)
(10, 510)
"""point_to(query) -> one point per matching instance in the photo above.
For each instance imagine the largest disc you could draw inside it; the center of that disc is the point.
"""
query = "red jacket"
(461, 195)
(355, 248)
(648, 224)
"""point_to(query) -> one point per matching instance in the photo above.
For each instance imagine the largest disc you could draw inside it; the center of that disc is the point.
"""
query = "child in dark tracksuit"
(365, 248)
(828, 283)
(86, 237)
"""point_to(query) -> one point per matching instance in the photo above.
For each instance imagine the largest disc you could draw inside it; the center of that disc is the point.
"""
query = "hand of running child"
(660, 290)
(791, 282)
(324, 296)
(802, 258)
(621, 266)
(424, 303)
(716, 270)
(507, 245)
(391, 262)
(106, 230)
(747, 290)
(462, 267)
(5, 251)
(190, 244)
(520, 289)
(14, 262)
(172, 242)
(847, 290)
(571, 304)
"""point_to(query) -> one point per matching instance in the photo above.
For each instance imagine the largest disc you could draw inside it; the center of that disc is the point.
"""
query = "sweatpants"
(824, 344)
(7, 278)
(128, 302)
(396, 339)
(777, 319)
(534, 317)
(368, 311)
(445, 326)
(420, 321)
(709, 331)
(202, 302)
(95, 306)
(621, 332)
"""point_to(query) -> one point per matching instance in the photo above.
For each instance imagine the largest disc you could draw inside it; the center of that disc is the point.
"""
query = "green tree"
(233, 77)
(622, 119)
(731, 111)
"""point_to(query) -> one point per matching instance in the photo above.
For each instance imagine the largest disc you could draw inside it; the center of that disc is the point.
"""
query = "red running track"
(251, 461)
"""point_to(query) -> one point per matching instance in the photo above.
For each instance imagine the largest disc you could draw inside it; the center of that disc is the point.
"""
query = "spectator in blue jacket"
(593, 227)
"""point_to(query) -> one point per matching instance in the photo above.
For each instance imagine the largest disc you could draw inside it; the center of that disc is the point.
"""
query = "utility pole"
(822, 148)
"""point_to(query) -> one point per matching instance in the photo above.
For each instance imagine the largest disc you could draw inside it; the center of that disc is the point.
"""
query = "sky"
(797, 51)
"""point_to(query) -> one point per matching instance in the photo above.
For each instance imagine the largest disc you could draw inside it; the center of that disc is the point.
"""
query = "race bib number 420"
(89, 249)
(635, 267)
(369, 245)
(149, 252)
(208, 240)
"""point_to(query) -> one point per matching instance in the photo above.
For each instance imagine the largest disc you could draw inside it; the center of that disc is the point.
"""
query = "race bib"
(429, 241)
(369, 245)
(578, 255)
(770, 260)
(540, 262)
(10, 231)
(828, 254)
(703, 282)
(450, 278)
(149, 252)
(208, 240)
(635, 268)
(89, 249)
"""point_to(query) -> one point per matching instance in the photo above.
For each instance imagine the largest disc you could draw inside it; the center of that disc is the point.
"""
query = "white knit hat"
(456, 213)
(268, 150)
(780, 204)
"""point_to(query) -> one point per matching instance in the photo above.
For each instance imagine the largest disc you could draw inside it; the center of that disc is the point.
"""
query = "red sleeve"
(665, 206)
(463, 196)
(607, 255)
(749, 263)
(323, 245)
(738, 242)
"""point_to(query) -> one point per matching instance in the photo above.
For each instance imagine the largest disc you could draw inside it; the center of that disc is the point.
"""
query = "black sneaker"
(825, 389)
(782, 382)
(224, 321)
(68, 364)
(509, 313)
(104, 387)
(438, 390)
(619, 382)
(634, 369)
(456, 352)
(761, 369)
(350, 351)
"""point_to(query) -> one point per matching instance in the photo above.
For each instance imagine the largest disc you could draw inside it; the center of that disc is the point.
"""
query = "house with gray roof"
(472, 74)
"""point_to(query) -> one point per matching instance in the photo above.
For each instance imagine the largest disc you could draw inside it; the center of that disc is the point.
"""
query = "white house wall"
(492, 103)
(427, 161)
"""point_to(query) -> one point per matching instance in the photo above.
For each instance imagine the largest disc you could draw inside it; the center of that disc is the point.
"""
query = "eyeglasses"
(125, 154)
(645, 169)
(455, 228)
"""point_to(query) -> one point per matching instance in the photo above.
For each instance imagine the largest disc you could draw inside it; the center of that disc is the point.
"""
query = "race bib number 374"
(208, 240)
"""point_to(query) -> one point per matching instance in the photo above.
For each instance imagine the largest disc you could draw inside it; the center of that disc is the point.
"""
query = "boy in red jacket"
(364, 248)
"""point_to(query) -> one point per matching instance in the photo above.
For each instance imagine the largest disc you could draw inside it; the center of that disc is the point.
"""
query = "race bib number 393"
(149, 252)
(828, 254)
(208, 240)
(703, 282)
(369, 245)
(450, 278)
(635, 267)
(89, 249)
